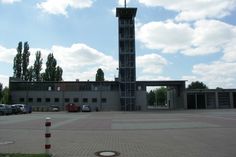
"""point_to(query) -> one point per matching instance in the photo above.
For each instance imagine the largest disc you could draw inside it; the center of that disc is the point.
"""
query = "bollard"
(47, 135)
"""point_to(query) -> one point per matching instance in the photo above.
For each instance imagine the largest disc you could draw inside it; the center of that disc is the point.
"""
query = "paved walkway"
(209, 133)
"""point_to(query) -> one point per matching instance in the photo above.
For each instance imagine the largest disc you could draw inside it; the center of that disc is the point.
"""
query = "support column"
(195, 101)
(217, 100)
(185, 100)
(231, 100)
(205, 95)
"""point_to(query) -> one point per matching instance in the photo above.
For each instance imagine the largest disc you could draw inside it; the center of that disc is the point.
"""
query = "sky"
(175, 39)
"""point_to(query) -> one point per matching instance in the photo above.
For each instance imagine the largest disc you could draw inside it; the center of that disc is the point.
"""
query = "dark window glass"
(85, 99)
(39, 100)
(22, 99)
(76, 99)
(103, 100)
(67, 99)
(94, 100)
(30, 99)
(56, 99)
(47, 99)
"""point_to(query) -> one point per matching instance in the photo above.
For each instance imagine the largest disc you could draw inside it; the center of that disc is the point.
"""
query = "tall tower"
(127, 66)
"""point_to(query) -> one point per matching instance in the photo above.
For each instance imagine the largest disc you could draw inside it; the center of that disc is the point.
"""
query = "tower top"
(126, 12)
(125, 3)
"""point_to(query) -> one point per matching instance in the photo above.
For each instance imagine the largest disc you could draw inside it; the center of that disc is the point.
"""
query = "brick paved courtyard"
(209, 133)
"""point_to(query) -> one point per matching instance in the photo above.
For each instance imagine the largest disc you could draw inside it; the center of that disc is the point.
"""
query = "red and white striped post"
(47, 135)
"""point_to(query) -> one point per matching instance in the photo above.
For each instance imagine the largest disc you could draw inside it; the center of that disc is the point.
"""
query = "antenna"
(125, 3)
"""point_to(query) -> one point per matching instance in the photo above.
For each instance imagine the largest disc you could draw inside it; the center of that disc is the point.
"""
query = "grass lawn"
(24, 155)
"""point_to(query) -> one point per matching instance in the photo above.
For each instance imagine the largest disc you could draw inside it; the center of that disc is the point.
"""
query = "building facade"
(102, 95)
(211, 99)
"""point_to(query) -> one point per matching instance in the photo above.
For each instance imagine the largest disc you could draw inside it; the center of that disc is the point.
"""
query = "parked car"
(86, 108)
(21, 107)
(8, 109)
(5, 109)
(72, 107)
(15, 109)
(2, 109)
(54, 108)
(28, 108)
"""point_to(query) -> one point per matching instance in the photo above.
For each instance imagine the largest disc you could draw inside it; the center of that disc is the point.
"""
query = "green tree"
(37, 67)
(25, 61)
(151, 98)
(99, 75)
(52, 71)
(59, 73)
(161, 96)
(197, 85)
(5, 96)
(17, 65)
(30, 74)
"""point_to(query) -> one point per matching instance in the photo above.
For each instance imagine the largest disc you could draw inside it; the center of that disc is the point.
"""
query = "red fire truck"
(72, 107)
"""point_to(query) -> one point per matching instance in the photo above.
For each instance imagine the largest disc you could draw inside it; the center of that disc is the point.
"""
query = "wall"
(210, 99)
(111, 99)
(141, 100)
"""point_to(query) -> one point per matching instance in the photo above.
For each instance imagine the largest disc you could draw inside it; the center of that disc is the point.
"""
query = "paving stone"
(208, 133)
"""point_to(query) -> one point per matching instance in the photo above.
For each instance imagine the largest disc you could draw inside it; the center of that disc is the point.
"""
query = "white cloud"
(202, 38)
(153, 78)
(194, 9)
(78, 61)
(168, 36)
(4, 80)
(150, 67)
(81, 61)
(61, 6)
(7, 55)
(190, 79)
(230, 51)
(9, 1)
(211, 36)
(215, 32)
(151, 64)
(216, 74)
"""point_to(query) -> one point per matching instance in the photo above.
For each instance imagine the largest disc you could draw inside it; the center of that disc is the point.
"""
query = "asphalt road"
(205, 133)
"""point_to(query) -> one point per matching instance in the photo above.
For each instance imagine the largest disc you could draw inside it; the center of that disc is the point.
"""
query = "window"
(22, 99)
(30, 100)
(67, 99)
(39, 100)
(47, 99)
(85, 100)
(94, 100)
(58, 88)
(103, 100)
(56, 100)
(76, 100)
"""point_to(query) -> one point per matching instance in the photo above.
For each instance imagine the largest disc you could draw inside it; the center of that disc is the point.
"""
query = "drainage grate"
(107, 154)
(6, 142)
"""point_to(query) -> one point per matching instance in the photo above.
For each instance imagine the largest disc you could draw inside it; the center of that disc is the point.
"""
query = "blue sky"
(175, 39)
